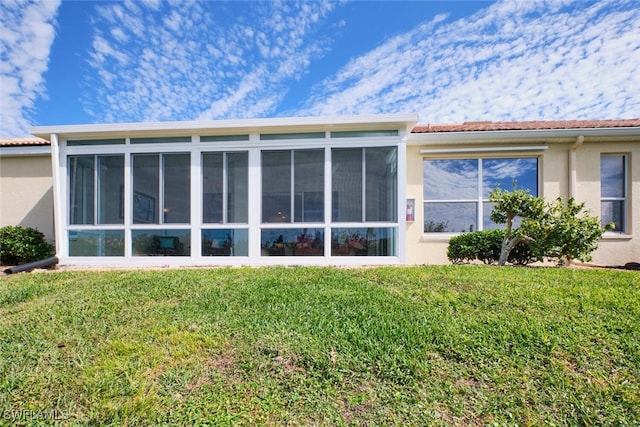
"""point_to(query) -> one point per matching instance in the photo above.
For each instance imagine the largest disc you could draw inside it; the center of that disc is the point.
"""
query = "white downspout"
(573, 164)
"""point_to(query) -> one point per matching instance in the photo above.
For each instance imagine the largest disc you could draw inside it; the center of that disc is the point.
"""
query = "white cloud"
(511, 61)
(197, 60)
(26, 37)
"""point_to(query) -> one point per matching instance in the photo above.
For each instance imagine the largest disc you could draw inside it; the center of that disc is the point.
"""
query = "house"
(350, 190)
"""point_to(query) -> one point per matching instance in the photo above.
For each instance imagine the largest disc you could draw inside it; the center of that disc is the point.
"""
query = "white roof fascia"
(519, 135)
(18, 150)
(373, 121)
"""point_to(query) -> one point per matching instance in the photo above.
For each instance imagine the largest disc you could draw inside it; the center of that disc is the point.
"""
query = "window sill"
(616, 236)
(437, 237)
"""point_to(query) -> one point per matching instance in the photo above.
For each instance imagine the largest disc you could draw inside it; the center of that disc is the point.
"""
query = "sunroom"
(231, 192)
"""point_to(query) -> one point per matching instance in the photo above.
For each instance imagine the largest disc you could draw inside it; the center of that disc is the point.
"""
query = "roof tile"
(525, 125)
(23, 142)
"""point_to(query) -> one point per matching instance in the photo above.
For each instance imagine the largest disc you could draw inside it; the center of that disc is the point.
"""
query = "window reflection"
(509, 174)
(225, 242)
(96, 242)
(293, 242)
(613, 191)
(451, 190)
(161, 242)
(363, 241)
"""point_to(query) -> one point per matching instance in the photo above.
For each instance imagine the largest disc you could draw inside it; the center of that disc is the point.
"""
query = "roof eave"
(278, 124)
(25, 150)
(559, 135)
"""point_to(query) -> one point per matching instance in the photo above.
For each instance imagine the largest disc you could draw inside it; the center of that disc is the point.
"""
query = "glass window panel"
(510, 174)
(225, 242)
(364, 241)
(81, 189)
(487, 224)
(237, 187)
(163, 140)
(146, 188)
(177, 189)
(452, 217)
(222, 138)
(95, 142)
(110, 189)
(381, 184)
(363, 133)
(450, 179)
(212, 187)
(161, 242)
(612, 176)
(346, 184)
(96, 242)
(276, 186)
(309, 185)
(293, 242)
(613, 211)
(302, 135)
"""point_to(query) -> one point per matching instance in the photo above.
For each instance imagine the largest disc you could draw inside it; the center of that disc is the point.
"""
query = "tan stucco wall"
(26, 193)
(614, 249)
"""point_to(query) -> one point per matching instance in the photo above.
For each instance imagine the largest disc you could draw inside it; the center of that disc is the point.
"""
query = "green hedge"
(485, 246)
(19, 245)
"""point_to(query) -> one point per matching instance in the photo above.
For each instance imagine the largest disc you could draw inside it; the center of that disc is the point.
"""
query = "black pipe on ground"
(47, 262)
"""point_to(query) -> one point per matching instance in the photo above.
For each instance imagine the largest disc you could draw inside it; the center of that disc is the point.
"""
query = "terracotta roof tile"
(23, 142)
(525, 125)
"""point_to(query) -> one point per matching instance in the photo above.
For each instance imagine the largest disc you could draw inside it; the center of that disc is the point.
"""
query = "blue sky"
(127, 61)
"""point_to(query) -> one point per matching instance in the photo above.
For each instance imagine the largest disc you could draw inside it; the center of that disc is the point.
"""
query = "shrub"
(559, 230)
(462, 248)
(485, 246)
(23, 244)
(568, 232)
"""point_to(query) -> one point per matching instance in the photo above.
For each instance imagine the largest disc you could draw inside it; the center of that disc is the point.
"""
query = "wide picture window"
(456, 191)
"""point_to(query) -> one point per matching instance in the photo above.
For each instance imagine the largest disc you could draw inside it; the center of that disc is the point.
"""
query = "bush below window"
(485, 246)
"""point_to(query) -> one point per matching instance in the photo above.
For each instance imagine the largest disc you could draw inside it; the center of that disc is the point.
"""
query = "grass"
(455, 345)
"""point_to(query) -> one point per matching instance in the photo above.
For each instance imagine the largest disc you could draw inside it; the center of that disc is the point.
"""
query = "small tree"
(507, 206)
(559, 230)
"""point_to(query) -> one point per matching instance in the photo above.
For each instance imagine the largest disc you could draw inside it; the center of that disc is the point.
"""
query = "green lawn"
(455, 345)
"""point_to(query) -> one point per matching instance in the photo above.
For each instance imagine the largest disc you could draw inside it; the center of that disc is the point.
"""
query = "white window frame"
(253, 145)
(480, 200)
(625, 198)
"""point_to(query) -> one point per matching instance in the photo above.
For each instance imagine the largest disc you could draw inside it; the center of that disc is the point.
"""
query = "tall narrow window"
(225, 200)
(293, 186)
(364, 184)
(110, 189)
(96, 197)
(96, 186)
(613, 191)
(346, 184)
(81, 189)
(381, 181)
(225, 188)
(161, 189)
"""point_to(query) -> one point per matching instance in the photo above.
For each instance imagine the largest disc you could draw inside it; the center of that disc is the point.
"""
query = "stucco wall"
(26, 193)
(613, 249)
